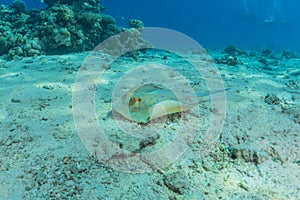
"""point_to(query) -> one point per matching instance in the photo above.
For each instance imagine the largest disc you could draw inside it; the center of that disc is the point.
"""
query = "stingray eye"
(132, 100)
(139, 100)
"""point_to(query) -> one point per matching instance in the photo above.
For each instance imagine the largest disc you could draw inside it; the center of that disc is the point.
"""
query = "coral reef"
(135, 23)
(64, 26)
(18, 6)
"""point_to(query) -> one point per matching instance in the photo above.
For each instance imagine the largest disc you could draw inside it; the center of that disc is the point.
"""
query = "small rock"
(292, 84)
(48, 87)
(178, 182)
(247, 154)
(271, 99)
(227, 60)
(15, 100)
(34, 52)
(148, 142)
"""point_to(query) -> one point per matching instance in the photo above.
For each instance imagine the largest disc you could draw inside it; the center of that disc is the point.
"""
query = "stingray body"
(149, 101)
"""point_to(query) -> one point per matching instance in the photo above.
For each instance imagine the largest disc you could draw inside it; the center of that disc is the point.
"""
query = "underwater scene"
(131, 99)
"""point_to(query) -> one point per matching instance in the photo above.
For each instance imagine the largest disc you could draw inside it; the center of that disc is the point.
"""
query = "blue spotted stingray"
(149, 101)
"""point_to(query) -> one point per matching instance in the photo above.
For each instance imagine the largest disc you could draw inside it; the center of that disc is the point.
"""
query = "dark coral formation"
(234, 51)
(136, 23)
(18, 6)
(272, 99)
(288, 54)
(227, 60)
(65, 26)
(247, 154)
(267, 53)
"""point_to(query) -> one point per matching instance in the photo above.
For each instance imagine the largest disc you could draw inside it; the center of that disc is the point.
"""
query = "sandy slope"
(257, 156)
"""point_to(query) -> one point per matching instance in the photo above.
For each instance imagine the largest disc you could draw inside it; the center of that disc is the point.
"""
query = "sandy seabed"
(257, 155)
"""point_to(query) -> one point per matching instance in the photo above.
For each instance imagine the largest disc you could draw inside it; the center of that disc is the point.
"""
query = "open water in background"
(214, 23)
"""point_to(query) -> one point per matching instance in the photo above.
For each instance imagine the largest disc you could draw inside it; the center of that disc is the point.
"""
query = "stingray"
(147, 102)
(150, 101)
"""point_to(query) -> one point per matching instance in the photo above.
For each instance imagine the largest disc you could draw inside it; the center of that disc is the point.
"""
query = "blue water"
(214, 23)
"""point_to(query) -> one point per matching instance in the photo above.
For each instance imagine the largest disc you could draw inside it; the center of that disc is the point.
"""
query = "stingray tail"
(208, 93)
